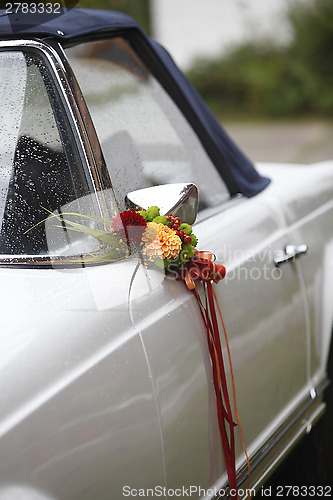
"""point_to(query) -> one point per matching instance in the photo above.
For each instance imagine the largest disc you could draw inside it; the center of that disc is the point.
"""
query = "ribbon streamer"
(203, 268)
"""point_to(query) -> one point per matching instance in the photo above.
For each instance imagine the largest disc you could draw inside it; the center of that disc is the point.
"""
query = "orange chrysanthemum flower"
(161, 242)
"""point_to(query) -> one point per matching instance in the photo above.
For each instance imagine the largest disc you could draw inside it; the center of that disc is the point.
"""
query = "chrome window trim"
(299, 423)
(61, 78)
(100, 171)
(49, 262)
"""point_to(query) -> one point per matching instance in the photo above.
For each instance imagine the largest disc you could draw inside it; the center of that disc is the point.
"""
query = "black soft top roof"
(72, 22)
(239, 172)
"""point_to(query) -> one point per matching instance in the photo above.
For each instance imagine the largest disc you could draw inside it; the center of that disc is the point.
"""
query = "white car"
(107, 386)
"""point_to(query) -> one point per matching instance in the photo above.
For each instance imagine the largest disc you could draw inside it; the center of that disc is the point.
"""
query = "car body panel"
(69, 358)
(263, 312)
(307, 212)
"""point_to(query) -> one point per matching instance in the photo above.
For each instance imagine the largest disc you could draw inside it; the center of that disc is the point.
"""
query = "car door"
(77, 410)
(146, 141)
(264, 313)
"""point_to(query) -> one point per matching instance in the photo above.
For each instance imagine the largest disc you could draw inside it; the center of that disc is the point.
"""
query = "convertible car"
(107, 388)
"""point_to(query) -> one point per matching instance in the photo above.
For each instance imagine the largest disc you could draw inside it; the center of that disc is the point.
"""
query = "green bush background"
(263, 79)
(260, 78)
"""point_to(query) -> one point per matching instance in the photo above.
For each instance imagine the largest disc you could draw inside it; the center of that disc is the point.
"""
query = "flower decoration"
(161, 242)
(129, 226)
(166, 242)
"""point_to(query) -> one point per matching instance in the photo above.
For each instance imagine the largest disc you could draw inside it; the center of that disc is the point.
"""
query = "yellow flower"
(161, 241)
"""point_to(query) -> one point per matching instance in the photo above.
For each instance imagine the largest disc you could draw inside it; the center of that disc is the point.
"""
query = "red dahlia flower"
(129, 225)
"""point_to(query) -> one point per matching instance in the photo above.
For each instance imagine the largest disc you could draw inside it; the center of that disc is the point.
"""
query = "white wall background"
(191, 28)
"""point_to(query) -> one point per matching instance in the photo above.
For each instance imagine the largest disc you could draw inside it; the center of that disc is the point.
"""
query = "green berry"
(161, 219)
(189, 250)
(152, 212)
(144, 214)
(194, 240)
(186, 228)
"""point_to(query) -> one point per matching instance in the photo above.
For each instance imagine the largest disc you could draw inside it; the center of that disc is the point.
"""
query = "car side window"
(145, 139)
(40, 168)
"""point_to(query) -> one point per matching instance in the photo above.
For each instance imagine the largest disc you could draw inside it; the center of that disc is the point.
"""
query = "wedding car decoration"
(165, 242)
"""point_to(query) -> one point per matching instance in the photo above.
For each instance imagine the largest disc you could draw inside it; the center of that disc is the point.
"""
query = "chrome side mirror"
(180, 200)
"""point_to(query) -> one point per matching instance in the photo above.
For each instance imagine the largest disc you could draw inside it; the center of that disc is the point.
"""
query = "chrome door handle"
(290, 252)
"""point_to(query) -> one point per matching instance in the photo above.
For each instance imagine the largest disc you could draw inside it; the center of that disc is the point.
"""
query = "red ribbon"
(203, 268)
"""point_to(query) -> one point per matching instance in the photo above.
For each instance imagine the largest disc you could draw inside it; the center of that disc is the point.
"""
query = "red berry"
(181, 233)
(176, 226)
(187, 239)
